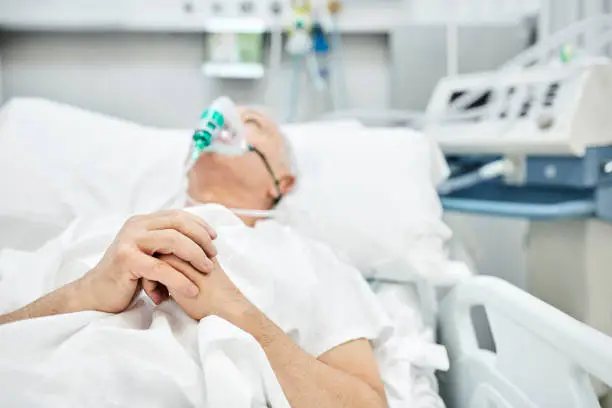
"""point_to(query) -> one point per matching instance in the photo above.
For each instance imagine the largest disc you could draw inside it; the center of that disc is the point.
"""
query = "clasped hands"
(166, 254)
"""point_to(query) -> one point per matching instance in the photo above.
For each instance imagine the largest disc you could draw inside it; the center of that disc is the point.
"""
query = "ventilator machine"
(533, 140)
(543, 127)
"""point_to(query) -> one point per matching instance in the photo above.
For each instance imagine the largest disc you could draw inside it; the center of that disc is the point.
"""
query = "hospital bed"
(542, 357)
(533, 364)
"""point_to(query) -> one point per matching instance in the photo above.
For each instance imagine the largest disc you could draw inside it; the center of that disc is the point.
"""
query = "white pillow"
(58, 162)
(370, 194)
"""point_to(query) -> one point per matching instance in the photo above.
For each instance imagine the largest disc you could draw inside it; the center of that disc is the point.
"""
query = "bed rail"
(543, 357)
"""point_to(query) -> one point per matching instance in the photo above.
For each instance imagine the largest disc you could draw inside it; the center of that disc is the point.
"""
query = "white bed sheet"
(407, 356)
(410, 355)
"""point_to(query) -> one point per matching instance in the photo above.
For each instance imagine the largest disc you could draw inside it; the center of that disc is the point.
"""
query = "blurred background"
(539, 145)
(143, 59)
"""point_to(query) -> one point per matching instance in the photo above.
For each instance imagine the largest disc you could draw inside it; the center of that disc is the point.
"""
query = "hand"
(217, 293)
(130, 261)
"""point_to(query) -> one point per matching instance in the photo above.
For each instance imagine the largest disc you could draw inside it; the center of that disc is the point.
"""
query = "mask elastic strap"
(269, 168)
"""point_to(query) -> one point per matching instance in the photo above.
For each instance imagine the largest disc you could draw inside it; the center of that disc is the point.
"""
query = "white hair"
(288, 154)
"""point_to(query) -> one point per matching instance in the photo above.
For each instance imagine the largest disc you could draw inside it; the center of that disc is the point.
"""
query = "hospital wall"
(156, 78)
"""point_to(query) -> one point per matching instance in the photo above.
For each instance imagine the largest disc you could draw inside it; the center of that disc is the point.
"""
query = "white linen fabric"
(157, 356)
(58, 163)
(410, 353)
(370, 195)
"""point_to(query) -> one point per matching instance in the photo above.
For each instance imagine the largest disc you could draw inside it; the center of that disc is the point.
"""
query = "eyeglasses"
(279, 195)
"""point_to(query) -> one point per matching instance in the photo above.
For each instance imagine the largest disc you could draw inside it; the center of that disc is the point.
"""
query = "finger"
(204, 224)
(156, 270)
(185, 225)
(170, 213)
(173, 242)
(184, 267)
(151, 289)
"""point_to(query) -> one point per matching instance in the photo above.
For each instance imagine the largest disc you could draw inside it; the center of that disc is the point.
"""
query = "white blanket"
(157, 356)
(140, 358)
(147, 356)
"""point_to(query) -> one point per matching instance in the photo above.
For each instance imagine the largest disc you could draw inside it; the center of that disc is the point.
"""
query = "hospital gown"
(155, 355)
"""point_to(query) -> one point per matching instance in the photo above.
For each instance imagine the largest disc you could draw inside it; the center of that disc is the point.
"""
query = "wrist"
(253, 321)
(78, 296)
(238, 312)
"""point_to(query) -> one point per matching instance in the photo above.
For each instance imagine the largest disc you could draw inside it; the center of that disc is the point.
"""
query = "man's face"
(244, 181)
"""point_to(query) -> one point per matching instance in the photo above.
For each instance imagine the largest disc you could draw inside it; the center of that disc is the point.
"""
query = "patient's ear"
(286, 183)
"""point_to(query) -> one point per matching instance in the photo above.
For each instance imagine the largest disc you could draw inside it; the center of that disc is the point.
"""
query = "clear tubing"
(276, 47)
(540, 52)
(241, 211)
(460, 183)
(544, 48)
(312, 65)
(599, 44)
(487, 172)
(452, 48)
(275, 60)
(337, 73)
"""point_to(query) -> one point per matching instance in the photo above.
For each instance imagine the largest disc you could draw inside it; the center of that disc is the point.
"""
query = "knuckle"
(134, 220)
(158, 269)
(182, 217)
(180, 220)
(123, 252)
(171, 245)
(164, 213)
(176, 214)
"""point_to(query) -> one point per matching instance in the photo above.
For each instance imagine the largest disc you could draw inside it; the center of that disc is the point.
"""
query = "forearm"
(61, 301)
(306, 381)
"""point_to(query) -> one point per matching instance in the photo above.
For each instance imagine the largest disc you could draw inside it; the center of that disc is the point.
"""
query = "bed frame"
(543, 358)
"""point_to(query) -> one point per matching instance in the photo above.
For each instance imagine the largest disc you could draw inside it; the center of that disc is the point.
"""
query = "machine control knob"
(546, 121)
(550, 171)
(606, 168)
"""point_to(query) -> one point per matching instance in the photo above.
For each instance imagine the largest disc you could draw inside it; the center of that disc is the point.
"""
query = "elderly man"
(173, 254)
